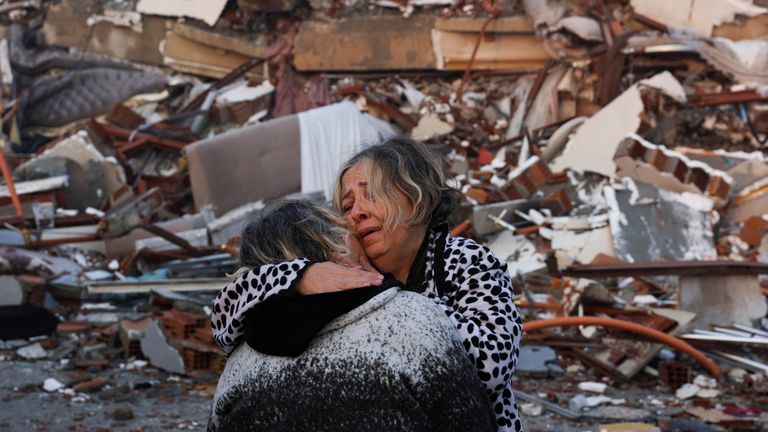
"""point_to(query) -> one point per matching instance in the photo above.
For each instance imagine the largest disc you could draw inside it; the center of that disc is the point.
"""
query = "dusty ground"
(156, 400)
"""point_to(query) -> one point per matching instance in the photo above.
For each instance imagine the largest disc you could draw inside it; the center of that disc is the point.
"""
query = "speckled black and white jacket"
(463, 278)
(392, 364)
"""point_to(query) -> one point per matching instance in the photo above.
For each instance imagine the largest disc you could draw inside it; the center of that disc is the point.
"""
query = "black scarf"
(417, 274)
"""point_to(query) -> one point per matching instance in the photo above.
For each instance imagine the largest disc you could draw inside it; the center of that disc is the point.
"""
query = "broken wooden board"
(242, 44)
(391, 43)
(189, 56)
(498, 51)
(66, 24)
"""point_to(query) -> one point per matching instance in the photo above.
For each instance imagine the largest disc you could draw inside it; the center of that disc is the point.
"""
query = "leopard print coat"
(469, 284)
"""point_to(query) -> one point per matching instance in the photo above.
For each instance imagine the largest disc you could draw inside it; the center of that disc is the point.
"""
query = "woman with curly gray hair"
(394, 201)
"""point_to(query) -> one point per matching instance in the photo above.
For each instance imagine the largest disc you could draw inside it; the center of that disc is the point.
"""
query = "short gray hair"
(291, 229)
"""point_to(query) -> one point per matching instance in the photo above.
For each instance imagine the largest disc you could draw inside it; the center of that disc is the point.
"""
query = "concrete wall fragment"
(649, 224)
(382, 43)
(160, 353)
(722, 300)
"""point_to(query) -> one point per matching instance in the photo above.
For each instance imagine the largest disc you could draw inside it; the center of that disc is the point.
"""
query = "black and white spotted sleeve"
(482, 310)
(248, 289)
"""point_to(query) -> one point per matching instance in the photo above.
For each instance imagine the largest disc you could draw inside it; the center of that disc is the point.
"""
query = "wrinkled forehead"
(355, 176)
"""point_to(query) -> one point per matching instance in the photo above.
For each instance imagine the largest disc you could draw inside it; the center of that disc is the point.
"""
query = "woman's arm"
(263, 282)
(481, 308)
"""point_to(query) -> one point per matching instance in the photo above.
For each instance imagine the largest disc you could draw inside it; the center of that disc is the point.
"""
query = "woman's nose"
(359, 213)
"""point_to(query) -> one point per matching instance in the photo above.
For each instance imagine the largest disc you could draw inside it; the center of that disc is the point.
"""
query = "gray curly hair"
(291, 229)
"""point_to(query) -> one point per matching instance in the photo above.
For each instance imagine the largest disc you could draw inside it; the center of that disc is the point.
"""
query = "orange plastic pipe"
(664, 338)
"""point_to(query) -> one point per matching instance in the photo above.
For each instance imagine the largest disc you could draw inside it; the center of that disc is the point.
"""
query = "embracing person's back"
(394, 363)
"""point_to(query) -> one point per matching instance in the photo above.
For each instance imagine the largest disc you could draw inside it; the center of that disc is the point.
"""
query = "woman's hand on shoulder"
(329, 277)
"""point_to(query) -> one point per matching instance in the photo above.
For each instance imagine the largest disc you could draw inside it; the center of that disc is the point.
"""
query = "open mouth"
(365, 232)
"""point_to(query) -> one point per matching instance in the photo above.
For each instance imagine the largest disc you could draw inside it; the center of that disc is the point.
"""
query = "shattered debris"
(612, 153)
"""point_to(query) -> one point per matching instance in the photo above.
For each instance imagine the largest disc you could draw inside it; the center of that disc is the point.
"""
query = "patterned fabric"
(479, 303)
(394, 363)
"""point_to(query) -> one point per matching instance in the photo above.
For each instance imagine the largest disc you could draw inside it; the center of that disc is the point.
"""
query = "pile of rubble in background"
(614, 152)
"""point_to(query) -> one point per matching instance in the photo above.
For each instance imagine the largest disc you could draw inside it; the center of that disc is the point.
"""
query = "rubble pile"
(613, 152)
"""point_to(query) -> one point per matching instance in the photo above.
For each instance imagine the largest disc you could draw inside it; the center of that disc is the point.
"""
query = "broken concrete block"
(687, 391)
(66, 24)
(722, 300)
(52, 384)
(751, 201)
(594, 144)
(132, 213)
(92, 178)
(32, 352)
(160, 353)
(11, 291)
(669, 170)
(591, 386)
(748, 172)
(701, 17)
(430, 126)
